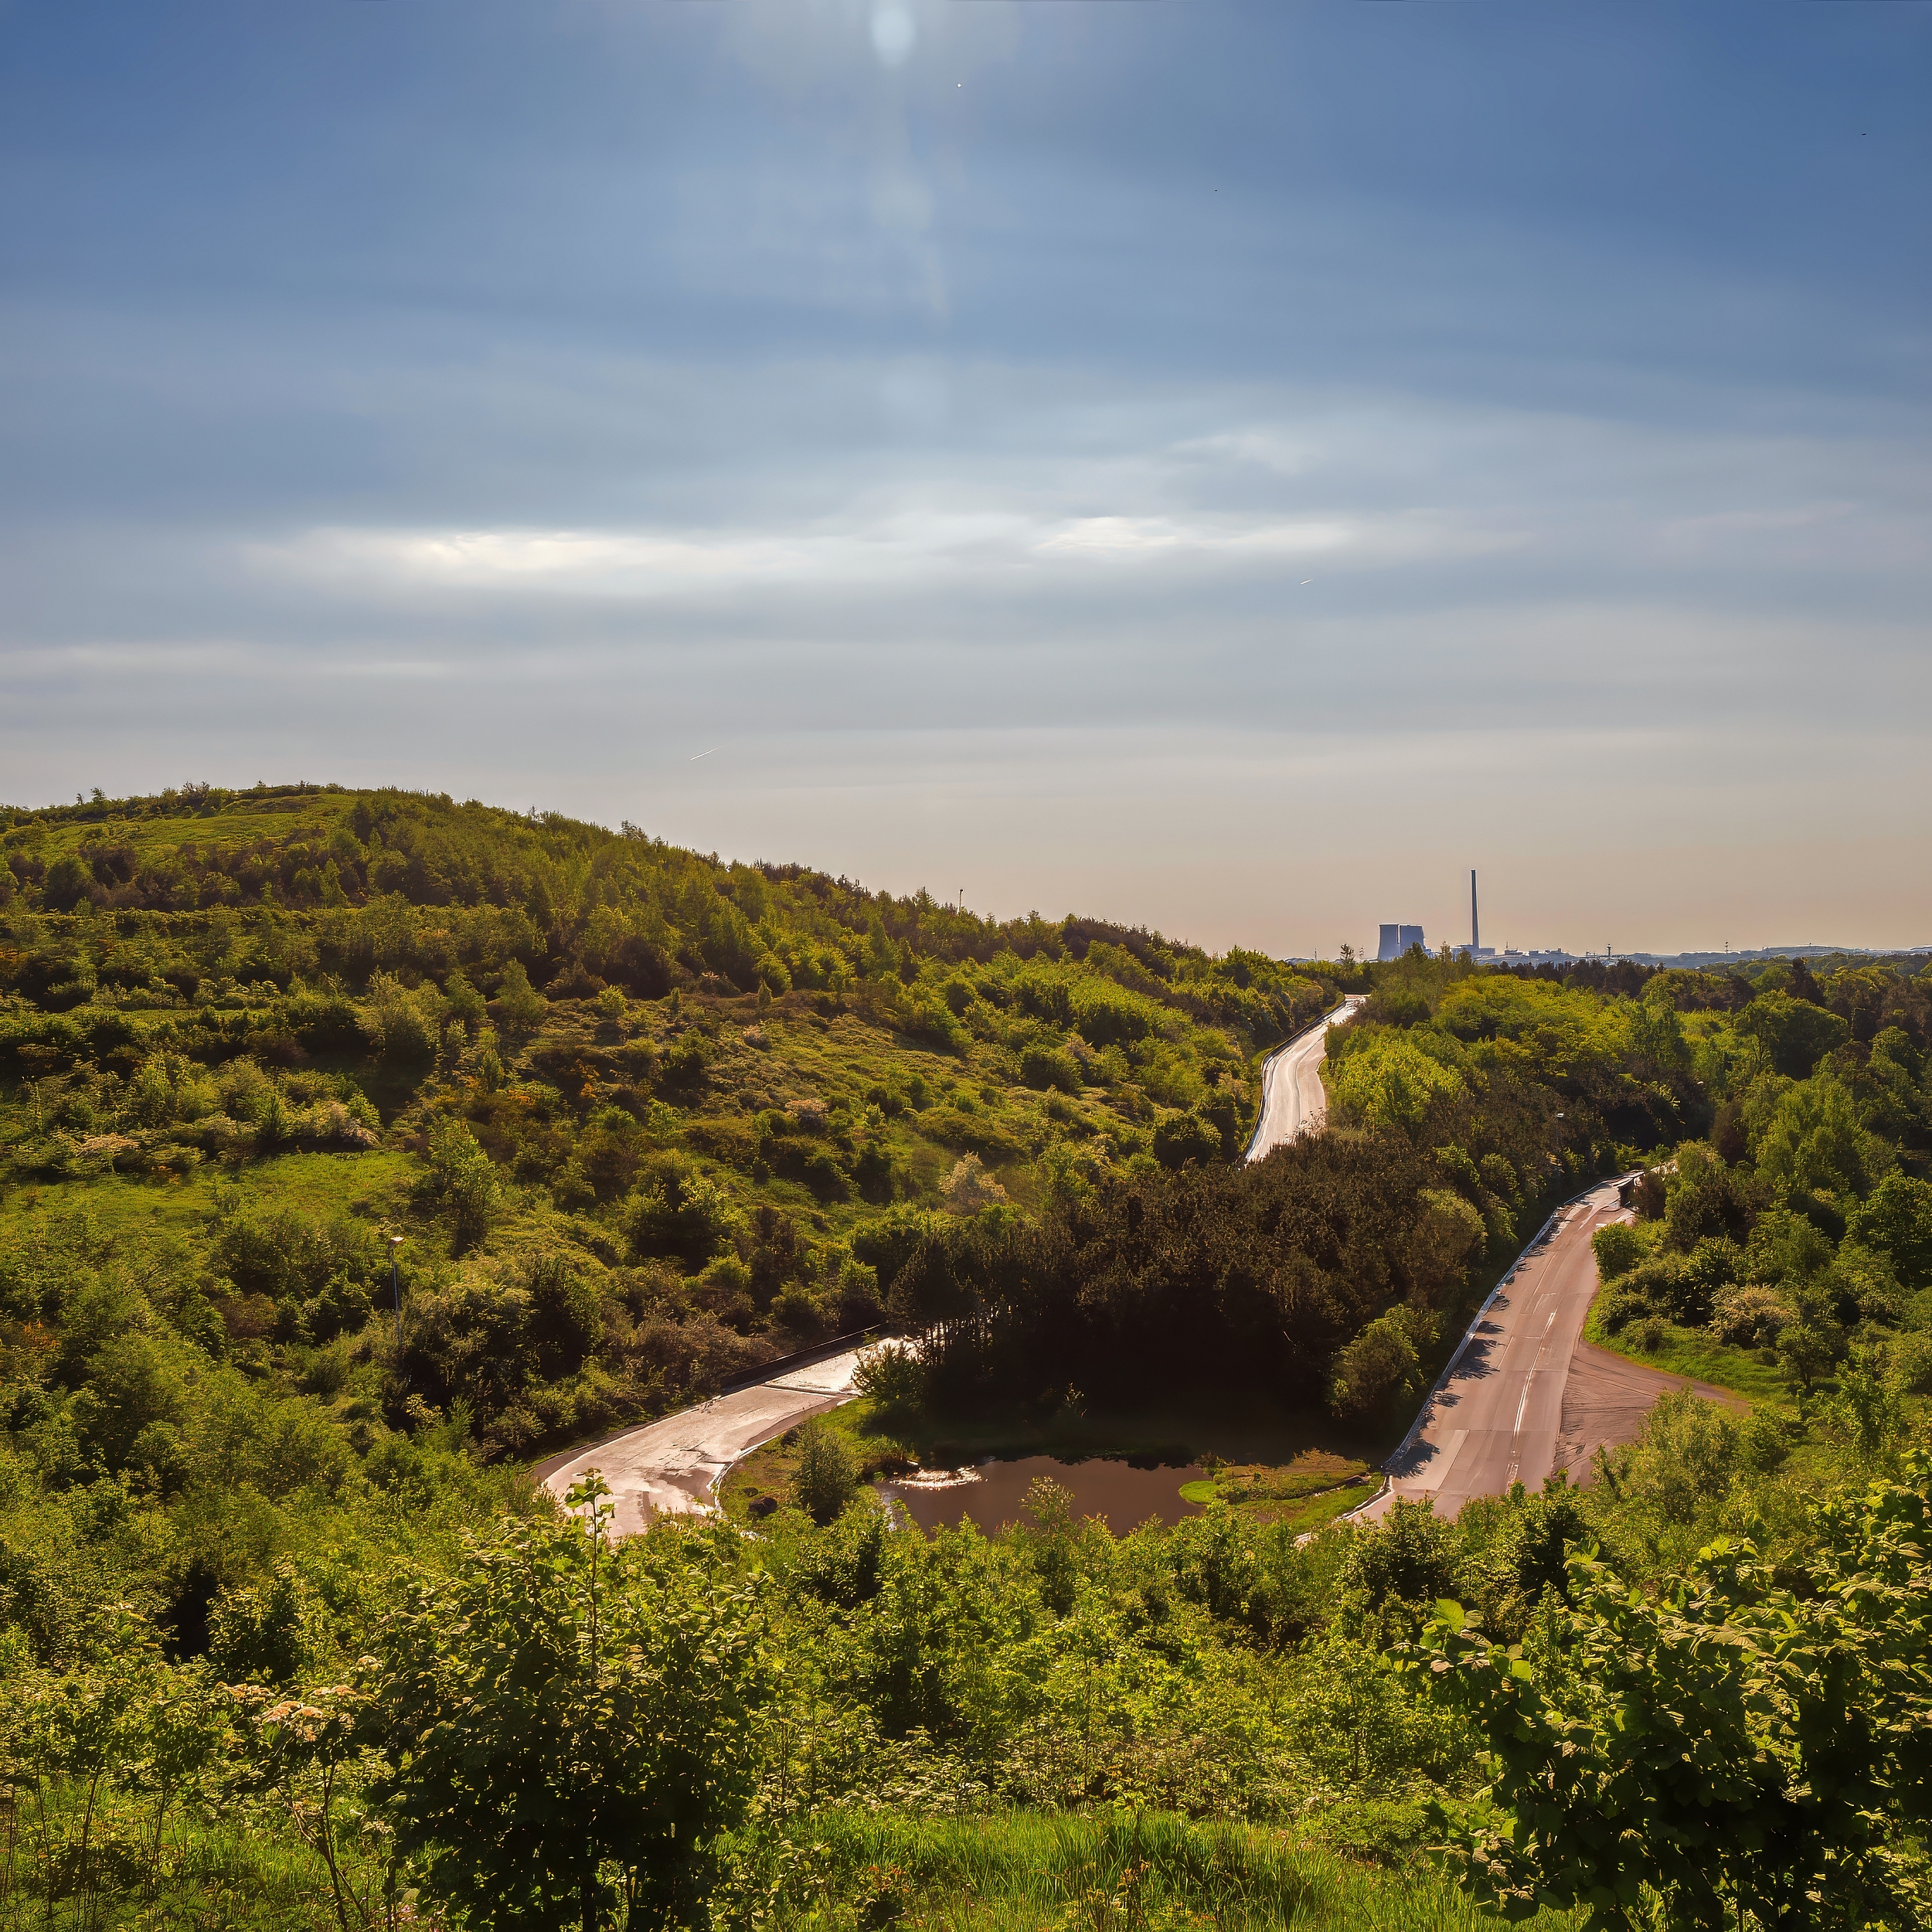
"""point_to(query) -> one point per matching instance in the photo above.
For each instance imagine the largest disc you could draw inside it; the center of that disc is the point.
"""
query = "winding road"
(1294, 1101)
(1525, 1394)
(673, 1467)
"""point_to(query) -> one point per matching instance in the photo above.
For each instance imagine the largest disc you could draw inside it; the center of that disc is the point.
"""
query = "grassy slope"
(212, 917)
(1696, 1353)
(1018, 1871)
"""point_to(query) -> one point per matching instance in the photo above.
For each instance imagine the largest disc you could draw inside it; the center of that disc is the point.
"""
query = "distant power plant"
(1397, 939)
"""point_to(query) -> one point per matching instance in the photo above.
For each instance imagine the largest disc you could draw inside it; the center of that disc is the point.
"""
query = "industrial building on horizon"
(1395, 940)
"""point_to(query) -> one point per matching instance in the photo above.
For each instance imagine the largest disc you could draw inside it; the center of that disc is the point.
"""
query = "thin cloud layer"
(1220, 466)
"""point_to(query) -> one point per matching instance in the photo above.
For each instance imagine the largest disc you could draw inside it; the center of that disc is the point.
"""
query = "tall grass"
(1120, 1872)
(199, 1875)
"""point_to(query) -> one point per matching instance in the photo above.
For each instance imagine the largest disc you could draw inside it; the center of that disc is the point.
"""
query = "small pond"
(989, 1494)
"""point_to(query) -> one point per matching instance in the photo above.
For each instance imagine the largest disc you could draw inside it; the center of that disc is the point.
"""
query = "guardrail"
(1476, 1321)
(745, 1379)
(800, 1358)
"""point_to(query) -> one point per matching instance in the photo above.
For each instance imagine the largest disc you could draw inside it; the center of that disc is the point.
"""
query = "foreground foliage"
(1737, 1743)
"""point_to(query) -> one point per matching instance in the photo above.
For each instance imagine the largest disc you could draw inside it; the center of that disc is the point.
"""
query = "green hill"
(705, 1103)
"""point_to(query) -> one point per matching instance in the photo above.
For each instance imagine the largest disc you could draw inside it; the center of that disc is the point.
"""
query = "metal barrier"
(1469, 1333)
(800, 1358)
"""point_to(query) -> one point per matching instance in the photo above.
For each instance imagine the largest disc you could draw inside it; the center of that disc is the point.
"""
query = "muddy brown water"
(1125, 1495)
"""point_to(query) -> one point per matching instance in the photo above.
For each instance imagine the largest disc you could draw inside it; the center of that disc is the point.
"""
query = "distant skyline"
(1227, 467)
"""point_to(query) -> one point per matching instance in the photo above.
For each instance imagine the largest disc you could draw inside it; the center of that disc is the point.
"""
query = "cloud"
(940, 408)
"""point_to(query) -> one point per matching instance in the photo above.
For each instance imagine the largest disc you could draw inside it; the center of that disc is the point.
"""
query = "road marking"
(1525, 1403)
(1551, 1322)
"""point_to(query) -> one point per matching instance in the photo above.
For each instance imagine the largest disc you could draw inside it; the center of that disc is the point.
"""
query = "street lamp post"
(396, 1289)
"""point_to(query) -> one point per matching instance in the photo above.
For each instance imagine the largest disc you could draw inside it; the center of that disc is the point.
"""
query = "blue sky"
(1233, 468)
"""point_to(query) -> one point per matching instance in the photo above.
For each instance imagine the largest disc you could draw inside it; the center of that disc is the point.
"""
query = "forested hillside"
(645, 1117)
(288, 1637)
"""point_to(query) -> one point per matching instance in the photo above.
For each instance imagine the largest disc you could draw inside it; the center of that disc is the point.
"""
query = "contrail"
(704, 754)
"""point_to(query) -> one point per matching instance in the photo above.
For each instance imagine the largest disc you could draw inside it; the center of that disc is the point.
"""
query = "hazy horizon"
(1226, 469)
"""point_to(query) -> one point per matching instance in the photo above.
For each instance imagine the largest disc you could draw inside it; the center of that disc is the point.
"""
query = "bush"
(399, 1024)
(281, 1252)
(969, 1187)
(1912, 1364)
(827, 1476)
(680, 1210)
(1181, 1137)
(1618, 1247)
(261, 1636)
(1751, 1316)
(892, 1376)
(1377, 1371)
(1618, 1308)
(795, 1307)
(613, 1695)
(1659, 1281)
(1041, 1067)
(1410, 1557)
(685, 1064)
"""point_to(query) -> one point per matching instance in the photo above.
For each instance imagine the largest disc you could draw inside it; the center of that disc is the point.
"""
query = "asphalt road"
(1524, 1395)
(674, 1466)
(1294, 1101)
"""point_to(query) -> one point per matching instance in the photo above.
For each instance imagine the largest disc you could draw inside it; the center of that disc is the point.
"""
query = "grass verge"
(1693, 1352)
(1024, 1869)
(1312, 1490)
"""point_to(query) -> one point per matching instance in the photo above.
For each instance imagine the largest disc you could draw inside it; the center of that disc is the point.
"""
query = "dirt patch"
(1606, 1399)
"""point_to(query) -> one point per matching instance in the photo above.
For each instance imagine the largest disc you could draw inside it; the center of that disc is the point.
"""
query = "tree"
(522, 1006)
(1377, 1371)
(465, 1001)
(1808, 1348)
(1385, 1078)
(1897, 1221)
(572, 1725)
(827, 1476)
(461, 1181)
(1794, 1034)
(1448, 1231)
(1618, 1248)
(69, 880)
(1737, 1748)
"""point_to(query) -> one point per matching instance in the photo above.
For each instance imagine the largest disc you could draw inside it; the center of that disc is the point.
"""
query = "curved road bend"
(1525, 1394)
(674, 1465)
(1294, 1101)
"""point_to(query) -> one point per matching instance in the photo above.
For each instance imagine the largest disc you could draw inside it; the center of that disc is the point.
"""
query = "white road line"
(1525, 1403)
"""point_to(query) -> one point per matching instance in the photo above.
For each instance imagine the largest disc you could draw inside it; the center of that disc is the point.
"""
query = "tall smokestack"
(1475, 931)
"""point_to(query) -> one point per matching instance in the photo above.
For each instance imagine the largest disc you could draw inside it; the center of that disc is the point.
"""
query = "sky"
(1229, 468)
